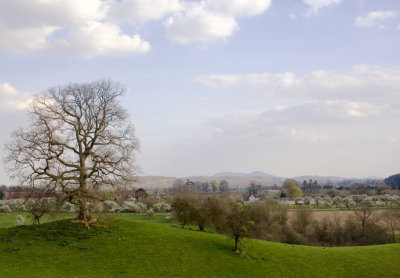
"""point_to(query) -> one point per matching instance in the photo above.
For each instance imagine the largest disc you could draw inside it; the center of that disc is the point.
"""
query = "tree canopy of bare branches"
(79, 136)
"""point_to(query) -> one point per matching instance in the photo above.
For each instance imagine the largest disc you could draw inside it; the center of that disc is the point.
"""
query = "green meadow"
(140, 246)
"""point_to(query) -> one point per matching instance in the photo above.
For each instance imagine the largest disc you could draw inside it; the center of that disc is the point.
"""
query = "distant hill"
(255, 174)
(150, 182)
(235, 180)
(242, 180)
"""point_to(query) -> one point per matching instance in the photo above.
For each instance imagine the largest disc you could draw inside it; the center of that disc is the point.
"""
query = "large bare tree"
(79, 136)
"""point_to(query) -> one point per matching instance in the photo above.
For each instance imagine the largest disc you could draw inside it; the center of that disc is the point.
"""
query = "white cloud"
(135, 11)
(316, 5)
(322, 137)
(309, 136)
(313, 113)
(79, 27)
(36, 13)
(27, 25)
(238, 7)
(12, 99)
(321, 120)
(199, 25)
(393, 139)
(374, 18)
(97, 38)
(25, 39)
(73, 26)
(207, 21)
(314, 121)
(362, 82)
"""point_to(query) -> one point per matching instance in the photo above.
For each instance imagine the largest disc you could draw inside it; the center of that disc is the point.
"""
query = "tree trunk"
(393, 235)
(84, 214)
(363, 228)
(201, 228)
(236, 244)
(83, 210)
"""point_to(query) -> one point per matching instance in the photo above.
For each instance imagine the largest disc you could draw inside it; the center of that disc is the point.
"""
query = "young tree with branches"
(79, 136)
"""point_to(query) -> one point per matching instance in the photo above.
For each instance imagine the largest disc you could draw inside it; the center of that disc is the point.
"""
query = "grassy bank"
(127, 248)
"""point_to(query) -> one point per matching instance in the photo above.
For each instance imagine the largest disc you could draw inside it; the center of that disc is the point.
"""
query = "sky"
(288, 87)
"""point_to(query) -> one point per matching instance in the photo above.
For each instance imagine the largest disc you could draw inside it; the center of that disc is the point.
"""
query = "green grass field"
(155, 247)
(8, 220)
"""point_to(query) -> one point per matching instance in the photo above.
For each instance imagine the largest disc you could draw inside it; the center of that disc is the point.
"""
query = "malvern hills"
(239, 180)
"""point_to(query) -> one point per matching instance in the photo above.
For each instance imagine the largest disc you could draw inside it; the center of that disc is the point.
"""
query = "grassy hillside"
(126, 248)
(8, 220)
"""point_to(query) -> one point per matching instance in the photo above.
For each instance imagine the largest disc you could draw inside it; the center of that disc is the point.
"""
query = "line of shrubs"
(350, 201)
(269, 220)
(129, 205)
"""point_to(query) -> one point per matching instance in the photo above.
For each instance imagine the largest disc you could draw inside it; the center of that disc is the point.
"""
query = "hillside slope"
(122, 248)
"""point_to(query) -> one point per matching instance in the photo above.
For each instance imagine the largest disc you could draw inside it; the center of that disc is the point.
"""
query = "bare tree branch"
(79, 135)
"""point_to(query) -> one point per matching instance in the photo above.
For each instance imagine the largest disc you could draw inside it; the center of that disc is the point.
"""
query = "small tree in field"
(363, 213)
(79, 136)
(41, 207)
(190, 208)
(223, 186)
(237, 222)
(183, 208)
(348, 202)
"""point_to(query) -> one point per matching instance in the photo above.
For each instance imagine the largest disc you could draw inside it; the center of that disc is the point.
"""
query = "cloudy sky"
(288, 87)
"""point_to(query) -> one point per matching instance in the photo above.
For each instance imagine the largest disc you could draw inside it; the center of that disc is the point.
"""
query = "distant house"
(253, 199)
(249, 198)
(125, 193)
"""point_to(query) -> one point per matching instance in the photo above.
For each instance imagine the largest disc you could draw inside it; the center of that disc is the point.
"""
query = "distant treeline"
(201, 186)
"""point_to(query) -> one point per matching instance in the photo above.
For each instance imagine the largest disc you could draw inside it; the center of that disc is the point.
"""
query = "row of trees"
(376, 191)
(201, 186)
(363, 226)
(270, 220)
(351, 201)
(52, 206)
(312, 187)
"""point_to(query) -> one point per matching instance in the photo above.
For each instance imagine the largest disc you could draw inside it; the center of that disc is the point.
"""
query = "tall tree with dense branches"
(79, 136)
